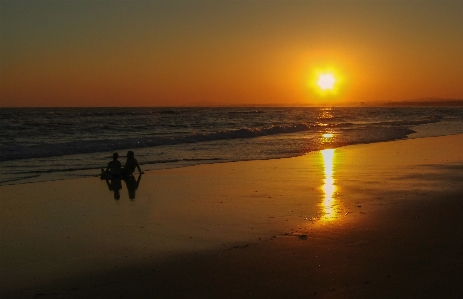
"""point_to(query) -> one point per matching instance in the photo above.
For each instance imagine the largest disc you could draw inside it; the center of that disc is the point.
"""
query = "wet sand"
(366, 221)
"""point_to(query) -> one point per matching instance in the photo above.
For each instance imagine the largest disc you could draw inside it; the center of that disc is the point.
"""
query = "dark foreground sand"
(370, 221)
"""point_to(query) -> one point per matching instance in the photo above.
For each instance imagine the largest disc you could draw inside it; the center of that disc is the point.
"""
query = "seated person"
(131, 164)
(114, 166)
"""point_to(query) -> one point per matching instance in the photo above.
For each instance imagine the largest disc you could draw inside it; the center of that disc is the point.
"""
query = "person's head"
(115, 156)
(130, 154)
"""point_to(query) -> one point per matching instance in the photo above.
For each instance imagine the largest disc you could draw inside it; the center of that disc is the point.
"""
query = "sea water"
(40, 144)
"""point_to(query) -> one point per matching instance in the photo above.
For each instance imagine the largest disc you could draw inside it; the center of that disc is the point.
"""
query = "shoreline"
(85, 173)
(247, 134)
(306, 226)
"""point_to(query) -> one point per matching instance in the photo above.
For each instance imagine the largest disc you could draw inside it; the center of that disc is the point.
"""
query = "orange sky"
(169, 53)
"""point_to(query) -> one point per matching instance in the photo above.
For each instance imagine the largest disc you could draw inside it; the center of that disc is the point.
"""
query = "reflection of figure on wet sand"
(132, 185)
(115, 185)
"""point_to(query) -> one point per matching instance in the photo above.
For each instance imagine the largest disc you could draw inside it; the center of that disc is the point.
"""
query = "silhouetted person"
(131, 164)
(114, 167)
(115, 186)
(132, 185)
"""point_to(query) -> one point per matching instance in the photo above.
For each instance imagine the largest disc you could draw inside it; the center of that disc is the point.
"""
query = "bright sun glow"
(326, 81)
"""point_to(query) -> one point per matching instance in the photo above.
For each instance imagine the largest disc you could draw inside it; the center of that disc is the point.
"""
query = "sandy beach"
(377, 220)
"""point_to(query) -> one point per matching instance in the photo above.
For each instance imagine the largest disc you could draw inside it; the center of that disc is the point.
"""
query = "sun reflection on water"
(329, 188)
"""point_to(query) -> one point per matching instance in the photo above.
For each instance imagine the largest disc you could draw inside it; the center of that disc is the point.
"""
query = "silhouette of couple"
(115, 168)
(114, 173)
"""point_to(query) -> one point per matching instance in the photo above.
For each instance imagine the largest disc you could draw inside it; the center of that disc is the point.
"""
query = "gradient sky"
(168, 53)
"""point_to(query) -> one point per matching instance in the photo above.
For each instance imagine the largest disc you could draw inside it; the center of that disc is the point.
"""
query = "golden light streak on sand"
(329, 188)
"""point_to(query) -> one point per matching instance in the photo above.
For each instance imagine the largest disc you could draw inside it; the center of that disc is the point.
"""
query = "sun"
(326, 81)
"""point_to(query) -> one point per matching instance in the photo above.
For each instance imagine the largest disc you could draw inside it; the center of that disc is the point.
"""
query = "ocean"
(43, 144)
